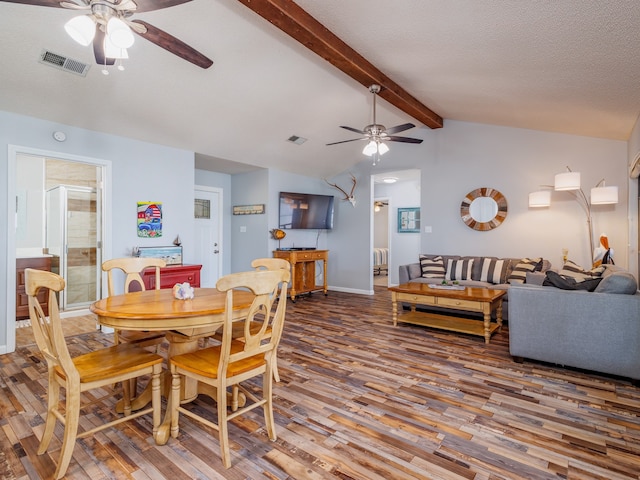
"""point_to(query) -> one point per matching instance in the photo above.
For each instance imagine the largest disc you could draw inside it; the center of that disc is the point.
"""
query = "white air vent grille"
(63, 63)
(296, 139)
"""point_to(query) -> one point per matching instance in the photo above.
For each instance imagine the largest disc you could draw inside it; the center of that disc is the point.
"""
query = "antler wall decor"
(347, 196)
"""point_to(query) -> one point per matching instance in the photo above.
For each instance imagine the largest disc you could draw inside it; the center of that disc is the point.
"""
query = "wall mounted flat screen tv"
(305, 211)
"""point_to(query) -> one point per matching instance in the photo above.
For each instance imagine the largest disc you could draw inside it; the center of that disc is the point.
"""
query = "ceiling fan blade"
(353, 130)
(98, 49)
(399, 128)
(404, 139)
(173, 45)
(151, 5)
(352, 140)
(39, 3)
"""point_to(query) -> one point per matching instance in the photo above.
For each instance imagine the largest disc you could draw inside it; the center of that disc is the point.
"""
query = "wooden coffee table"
(470, 299)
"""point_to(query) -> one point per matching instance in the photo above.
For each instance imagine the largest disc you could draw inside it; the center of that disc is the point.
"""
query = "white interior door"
(208, 222)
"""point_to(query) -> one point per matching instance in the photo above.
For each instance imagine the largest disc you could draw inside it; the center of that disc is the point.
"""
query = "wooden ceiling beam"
(297, 23)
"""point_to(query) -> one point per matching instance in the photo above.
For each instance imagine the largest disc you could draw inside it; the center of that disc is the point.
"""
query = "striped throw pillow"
(494, 271)
(432, 267)
(571, 269)
(459, 269)
(519, 273)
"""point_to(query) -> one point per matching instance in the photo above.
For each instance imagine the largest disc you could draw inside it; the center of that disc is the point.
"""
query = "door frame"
(220, 212)
(13, 152)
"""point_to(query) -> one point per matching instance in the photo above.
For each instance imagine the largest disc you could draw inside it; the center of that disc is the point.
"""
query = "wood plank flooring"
(359, 399)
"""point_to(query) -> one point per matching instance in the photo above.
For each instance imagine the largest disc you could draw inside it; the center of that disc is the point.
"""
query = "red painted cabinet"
(172, 274)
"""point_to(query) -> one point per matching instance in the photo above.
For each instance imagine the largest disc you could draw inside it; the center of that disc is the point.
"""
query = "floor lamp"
(570, 182)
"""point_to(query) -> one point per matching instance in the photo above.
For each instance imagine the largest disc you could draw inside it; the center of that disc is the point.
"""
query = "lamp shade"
(119, 33)
(81, 29)
(604, 195)
(541, 198)
(382, 148)
(111, 51)
(370, 148)
(567, 181)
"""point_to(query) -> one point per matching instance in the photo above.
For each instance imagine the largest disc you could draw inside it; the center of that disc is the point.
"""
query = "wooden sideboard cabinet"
(172, 274)
(303, 270)
(22, 301)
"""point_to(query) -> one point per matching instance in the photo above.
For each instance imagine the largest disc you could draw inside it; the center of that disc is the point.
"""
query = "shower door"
(73, 234)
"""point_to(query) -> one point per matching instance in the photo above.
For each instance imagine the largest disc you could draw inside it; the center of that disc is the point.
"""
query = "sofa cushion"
(618, 282)
(459, 269)
(535, 278)
(519, 273)
(414, 270)
(567, 282)
(432, 267)
(494, 270)
(571, 269)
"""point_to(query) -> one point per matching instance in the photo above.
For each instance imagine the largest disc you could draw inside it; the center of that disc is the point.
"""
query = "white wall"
(633, 152)
(516, 162)
(30, 187)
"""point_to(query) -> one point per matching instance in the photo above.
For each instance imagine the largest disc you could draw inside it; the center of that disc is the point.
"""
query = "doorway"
(208, 231)
(394, 189)
(381, 241)
(26, 228)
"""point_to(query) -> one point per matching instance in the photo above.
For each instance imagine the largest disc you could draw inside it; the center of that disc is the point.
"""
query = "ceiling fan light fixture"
(382, 148)
(82, 29)
(119, 33)
(112, 51)
(370, 149)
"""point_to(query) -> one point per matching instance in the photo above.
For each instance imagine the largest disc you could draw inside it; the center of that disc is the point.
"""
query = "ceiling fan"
(110, 19)
(378, 205)
(377, 134)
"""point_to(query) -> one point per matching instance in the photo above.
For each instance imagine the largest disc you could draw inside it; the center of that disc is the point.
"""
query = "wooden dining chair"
(132, 268)
(93, 370)
(232, 362)
(267, 263)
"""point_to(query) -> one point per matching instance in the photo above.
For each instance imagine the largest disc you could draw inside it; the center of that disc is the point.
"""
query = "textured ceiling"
(563, 66)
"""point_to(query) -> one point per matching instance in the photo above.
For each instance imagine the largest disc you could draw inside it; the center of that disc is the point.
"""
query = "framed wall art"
(149, 219)
(248, 209)
(409, 220)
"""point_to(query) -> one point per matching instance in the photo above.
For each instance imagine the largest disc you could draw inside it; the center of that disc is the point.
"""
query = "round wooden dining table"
(186, 321)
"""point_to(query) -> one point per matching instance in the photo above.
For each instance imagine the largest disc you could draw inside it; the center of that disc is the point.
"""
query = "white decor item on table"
(183, 291)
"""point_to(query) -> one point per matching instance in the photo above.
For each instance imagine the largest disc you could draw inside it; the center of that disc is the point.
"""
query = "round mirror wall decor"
(483, 209)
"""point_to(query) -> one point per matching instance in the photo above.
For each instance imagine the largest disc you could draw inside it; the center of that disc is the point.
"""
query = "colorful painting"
(149, 219)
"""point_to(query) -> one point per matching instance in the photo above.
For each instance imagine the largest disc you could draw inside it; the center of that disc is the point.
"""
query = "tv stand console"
(303, 270)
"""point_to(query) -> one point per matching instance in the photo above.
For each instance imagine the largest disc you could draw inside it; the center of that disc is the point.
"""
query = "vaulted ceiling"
(570, 66)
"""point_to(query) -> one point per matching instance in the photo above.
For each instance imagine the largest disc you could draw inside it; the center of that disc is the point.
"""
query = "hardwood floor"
(359, 399)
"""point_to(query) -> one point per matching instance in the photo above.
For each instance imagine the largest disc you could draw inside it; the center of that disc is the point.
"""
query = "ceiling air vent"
(297, 140)
(63, 63)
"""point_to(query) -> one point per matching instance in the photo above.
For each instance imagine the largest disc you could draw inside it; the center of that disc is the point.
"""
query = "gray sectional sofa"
(598, 331)
(412, 273)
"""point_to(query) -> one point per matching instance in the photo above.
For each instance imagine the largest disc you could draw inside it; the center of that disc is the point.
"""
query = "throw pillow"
(493, 270)
(571, 269)
(566, 282)
(459, 269)
(432, 267)
(618, 282)
(519, 273)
